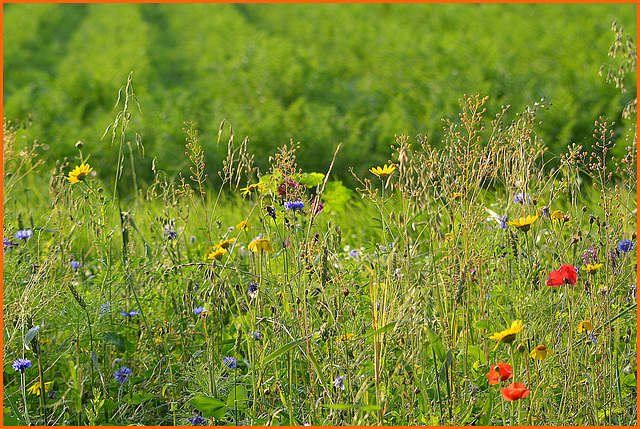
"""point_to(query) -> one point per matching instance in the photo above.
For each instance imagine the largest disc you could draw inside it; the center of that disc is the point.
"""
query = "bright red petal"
(555, 279)
(569, 274)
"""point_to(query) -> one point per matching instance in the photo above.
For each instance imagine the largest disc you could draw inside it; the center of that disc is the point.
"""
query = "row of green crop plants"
(466, 286)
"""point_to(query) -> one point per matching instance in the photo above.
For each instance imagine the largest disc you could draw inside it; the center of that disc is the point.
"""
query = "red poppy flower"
(565, 275)
(500, 372)
(514, 391)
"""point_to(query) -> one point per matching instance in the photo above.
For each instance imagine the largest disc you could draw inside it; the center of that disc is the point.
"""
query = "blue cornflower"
(123, 375)
(8, 244)
(354, 253)
(252, 290)
(339, 382)
(593, 338)
(256, 336)
(23, 234)
(52, 394)
(521, 198)
(171, 234)
(230, 362)
(197, 421)
(626, 245)
(200, 310)
(76, 264)
(104, 308)
(503, 222)
(129, 314)
(21, 364)
(294, 205)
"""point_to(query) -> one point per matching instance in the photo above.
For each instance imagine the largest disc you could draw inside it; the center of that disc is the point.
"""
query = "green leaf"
(485, 420)
(312, 179)
(209, 407)
(482, 324)
(477, 354)
(336, 196)
(237, 398)
(385, 328)
(30, 335)
(116, 339)
(630, 381)
(282, 350)
(436, 343)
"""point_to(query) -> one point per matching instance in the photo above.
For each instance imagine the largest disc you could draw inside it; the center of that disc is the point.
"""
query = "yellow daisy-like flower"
(540, 352)
(260, 245)
(592, 268)
(456, 195)
(523, 224)
(36, 389)
(243, 226)
(226, 243)
(508, 335)
(252, 188)
(217, 253)
(448, 236)
(79, 173)
(557, 216)
(585, 326)
(383, 171)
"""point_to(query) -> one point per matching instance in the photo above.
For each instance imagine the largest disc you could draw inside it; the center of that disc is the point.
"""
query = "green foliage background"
(316, 74)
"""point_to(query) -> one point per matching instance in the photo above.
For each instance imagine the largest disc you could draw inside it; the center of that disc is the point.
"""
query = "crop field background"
(389, 214)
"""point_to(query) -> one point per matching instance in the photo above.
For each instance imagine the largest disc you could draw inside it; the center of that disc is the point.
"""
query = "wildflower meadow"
(461, 282)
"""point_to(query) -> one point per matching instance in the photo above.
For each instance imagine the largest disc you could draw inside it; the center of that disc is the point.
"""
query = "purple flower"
(21, 364)
(123, 375)
(503, 222)
(590, 255)
(286, 243)
(320, 206)
(287, 187)
(24, 234)
(199, 310)
(8, 244)
(230, 362)
(625, 245)
(104, 308)
(197, 421)
(52, 394)
(521, 198)
(294, 205)
(354, 253)
(256, 336)
(76, 264)
(339, 382)
(252, 290)
(593, 338)
(129, 314)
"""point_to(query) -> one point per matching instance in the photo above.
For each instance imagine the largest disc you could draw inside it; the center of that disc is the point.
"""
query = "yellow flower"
(252, 188)
(383, 171)
(79, 173)
(243, 226)
(523, 224)
(345, 337)
(225, 244)
(592, 268)
(448, 236)
(508, 335)
(261, 245)
(36, 389)
(585, 326)
(540, 352)
(217, 253)
(557, 216)
(456, 195)
(157, 339)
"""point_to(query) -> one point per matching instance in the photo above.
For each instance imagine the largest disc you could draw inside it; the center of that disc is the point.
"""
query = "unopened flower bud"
(521, 348)
(79, 145)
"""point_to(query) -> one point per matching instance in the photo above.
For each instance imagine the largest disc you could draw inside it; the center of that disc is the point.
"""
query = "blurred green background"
(319, 74)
